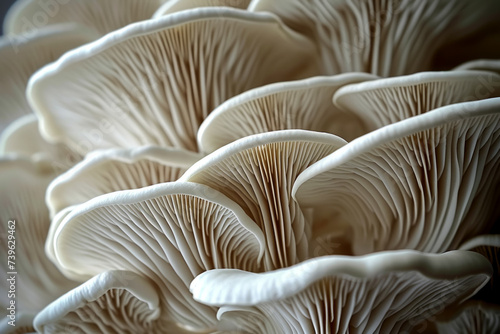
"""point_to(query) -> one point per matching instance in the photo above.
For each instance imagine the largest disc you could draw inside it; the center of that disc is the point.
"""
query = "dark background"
(4, 6)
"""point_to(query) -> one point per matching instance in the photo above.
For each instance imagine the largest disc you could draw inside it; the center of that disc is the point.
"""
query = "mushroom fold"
(471, 317)
(103, 16)
(489, 247)
(383, 37)
(258, 173)
(172, 6)
(22, 137)
(169, 233)
(154, 82)
(106, 171)
(21, 56)
(425, 183)
(385, 101)
(387, 292)
(304, 104)
(492, 65)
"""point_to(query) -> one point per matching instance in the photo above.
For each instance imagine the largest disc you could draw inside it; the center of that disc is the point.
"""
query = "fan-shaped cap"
(492, 65)
(21, 56)
(169, 233)
(385, 38)
(258, 173)
(425, 183)
(106, 171)
(103, 16)
(172, 6)
(387, 292)
(489, 247)
(385, 101)
(113, 301)
(23, 324)
(304, 104)
(25, 222)
(471, 317)
(22, 137)
(153, 83)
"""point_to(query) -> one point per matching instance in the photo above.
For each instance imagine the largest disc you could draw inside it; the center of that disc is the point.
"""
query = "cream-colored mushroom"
(386, 38)
(385, 101)
(172, 6)
(258, 173)
(492, 65)
(154, 82)
(23, 137)
(111, 302)
(106, 171)
(102, 16)
(25, 223)
(23, 324)
(21, 56)
(303, 104)
(387, 292)
(471, 317)
(169, 233)
(425, 183)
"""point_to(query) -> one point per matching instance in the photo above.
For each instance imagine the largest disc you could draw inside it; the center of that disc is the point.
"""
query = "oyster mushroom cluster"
(250, 167)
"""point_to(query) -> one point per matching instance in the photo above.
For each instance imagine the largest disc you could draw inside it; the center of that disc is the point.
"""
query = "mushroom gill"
(387, 292)
(154, 82)
(169, 233)
(425, 183)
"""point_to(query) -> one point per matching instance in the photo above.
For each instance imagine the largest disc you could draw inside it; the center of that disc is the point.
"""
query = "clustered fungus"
(250, 167)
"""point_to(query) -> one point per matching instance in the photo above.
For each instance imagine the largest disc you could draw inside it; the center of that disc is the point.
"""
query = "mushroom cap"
(304, 104)
(21, 56)
(492, 65)
(25, 225)
(153, 82)
(113, 301)
(258, 173)
(106, 171)
(23, 137)
(385, 101)
(169, 233)
(472, 317)
(24, 324)
(386, 38)
(172, 6)
(387, 292)
(102, 16)
(489, 247)
(425, 183)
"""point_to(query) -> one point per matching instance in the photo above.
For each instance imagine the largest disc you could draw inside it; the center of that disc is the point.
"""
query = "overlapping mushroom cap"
(25, 223)
(469, 317)
(162, 255)
(258, 172)
(102, 16)
(386, 38)
(385, 101)
(424, 183)
(172, 6)
(153, 82)
(114, 301)
(303, 104)
(111, 170)
(388, 292)
(21, 56)
(169, 233)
